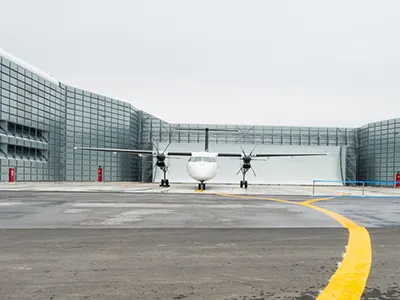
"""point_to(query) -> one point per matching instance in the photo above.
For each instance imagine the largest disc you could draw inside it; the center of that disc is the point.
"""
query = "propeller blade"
(155, 146)
(244, 153)
(252, 150)
(166, 148)
(254, 172)
(239, 171)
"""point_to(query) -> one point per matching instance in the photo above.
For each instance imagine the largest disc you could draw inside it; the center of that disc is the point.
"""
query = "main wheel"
(199, 186)
(245, 184)
(204, 186)
(241, 184)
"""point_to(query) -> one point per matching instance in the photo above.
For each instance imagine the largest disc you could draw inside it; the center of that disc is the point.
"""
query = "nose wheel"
(202, 186)
(243, 184)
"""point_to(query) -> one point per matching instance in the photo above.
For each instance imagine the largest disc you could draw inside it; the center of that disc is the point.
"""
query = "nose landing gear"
(202, 186)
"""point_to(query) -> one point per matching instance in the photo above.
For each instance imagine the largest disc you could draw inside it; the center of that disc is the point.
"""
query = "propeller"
(246, 158)
(254, 172)
(160, 156)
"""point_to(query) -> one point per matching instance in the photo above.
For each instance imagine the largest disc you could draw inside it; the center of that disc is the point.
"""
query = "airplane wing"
(179, 153)
(271, 154)
(134, 151)
(130, 151)
(222, 154)
(289, 154)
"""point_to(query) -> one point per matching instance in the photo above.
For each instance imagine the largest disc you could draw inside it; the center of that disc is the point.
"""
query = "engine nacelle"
(160, 163)
(246, 166)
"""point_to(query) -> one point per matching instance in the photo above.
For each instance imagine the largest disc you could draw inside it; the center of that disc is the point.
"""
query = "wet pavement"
(320, 189)
(185, 246)
(99, 210)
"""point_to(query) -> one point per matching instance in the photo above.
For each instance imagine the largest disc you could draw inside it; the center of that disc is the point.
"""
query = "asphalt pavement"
(185, 246)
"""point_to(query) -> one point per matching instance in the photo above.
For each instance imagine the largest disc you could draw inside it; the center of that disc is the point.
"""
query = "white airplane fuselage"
(202, 166)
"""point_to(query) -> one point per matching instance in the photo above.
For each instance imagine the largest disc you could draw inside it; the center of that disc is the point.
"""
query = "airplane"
(202, 166)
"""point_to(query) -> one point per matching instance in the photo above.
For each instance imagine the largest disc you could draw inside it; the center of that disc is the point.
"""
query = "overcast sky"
(319, 63)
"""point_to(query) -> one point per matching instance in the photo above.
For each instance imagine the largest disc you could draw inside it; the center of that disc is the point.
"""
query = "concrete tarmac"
(320, 189)
(185, 246)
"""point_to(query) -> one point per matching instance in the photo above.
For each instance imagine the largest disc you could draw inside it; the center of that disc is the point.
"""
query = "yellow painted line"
(317, 199)
(350, 278)
(253, 197)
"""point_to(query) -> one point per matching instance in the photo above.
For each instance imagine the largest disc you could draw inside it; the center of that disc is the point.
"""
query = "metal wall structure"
(32, 124)
(277, 170)
(96, 121)
(378, 158)
(41, 120)
(161, 131)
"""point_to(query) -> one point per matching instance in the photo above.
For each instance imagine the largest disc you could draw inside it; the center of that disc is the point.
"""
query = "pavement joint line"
(350, 278)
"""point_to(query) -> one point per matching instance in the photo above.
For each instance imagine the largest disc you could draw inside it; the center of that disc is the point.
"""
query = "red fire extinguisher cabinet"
(11, 174)
(100, 174)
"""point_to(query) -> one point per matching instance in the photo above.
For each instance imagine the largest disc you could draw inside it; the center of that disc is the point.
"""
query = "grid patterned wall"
(97, 121)
(378, 158)
(158, 130)
(41, 121)
(32, 125)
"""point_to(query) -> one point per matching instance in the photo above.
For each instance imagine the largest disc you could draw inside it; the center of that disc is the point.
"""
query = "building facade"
(95, 121)
(32, 123)
(377, 156)
(41, 120)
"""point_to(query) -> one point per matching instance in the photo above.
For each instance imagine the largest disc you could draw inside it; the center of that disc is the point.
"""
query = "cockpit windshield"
(208, 159)
(202, 158)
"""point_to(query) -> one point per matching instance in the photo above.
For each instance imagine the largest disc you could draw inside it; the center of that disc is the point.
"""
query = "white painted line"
(22, 268)
(167, 205)
(75, 210)
(133, 216)
(10, 203)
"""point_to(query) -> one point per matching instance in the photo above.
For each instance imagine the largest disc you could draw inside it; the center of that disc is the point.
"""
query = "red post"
(397, 180)
(11, 175)
(100, 174)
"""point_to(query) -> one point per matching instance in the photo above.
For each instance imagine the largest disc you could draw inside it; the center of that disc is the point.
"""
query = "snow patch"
(22, 268)
(133, 216)
(75, 210)
(9, 203)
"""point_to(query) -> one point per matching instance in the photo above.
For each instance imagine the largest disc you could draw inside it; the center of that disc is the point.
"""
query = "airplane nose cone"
(201, 171)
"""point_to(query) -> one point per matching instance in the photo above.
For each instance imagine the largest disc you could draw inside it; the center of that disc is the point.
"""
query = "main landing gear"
(165, 181)
(202, 186)
(243, 183)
